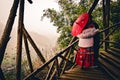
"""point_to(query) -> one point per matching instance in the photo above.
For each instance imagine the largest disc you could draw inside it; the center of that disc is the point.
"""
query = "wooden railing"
(114, 28)
(57, 68)
(109, 58)
(56, 65)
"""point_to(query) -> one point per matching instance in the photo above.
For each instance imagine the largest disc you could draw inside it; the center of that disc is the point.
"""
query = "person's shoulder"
(89, 29)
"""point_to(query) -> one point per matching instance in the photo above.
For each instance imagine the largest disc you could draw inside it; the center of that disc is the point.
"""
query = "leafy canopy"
(63, 19)
(115, 18)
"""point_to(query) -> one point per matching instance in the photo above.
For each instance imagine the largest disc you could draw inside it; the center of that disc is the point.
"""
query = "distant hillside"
(40, 40)
(1, 28)
(44, 43)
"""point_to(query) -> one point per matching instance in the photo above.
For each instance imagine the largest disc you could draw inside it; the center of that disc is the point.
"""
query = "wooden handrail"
(61, 52)
(19, 40)
(50, 70)
(66, 59)
(108, 35)
(114, 26)
(48, 62)
(30, 1)
(34, 45)
(28, 54)
(110, 42)
(93, 6)
(59, 55)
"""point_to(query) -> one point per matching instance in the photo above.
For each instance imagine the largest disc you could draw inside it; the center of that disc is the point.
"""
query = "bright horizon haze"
(32, 15)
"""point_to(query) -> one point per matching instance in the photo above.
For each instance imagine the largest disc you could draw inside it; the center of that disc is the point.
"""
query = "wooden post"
(66, 54)
(34, 46)
(48, 62)
(73, 39)
(93, 6)
(106, 14)
(57, 67)
(30, 1)
(28, 53)
(19, 41)
(51, 70)
(1, 75)
(64, 66)
(6, 34)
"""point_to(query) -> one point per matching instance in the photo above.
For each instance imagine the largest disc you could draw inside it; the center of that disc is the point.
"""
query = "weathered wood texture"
(19, 40)
(28, 54)
(6, 34)
(34, 45)
(106, 16)
(110, 61)
(84, 74)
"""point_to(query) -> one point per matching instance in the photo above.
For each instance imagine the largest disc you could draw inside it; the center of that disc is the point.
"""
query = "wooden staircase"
(109, 68)
(110, 62)
(85, 74)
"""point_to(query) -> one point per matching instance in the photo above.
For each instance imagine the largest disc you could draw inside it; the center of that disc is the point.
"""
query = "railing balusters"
(48, 62)
(34, 45)
(28, 53)
(19, 40)
(53, 75)
(1, 75)
(68, 55)
(57, 67)
(50, 70)
(108, 35)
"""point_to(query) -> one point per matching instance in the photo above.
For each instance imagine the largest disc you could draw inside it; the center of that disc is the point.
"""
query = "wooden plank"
(28, 54)
(81, 78)
(8, 28)
(87, 72)
(93, 6)
(84, 74)
(111, 58)
(77, 68)
(41, 57)
(111, 68)
(19, 41)
(48, 62)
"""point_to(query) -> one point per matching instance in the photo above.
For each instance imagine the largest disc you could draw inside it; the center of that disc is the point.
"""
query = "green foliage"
(10, 74)
(116, 38)
(115, 12)
(115, 18)
(70, 10)
(65, 17)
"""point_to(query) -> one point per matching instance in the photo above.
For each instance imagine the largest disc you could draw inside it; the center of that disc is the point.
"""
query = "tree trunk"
(34, 46)
(6, 34)
(106, 14)
(28, 53)
(19, 41)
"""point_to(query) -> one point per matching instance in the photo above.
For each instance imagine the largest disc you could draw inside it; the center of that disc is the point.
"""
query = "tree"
(64, 19)
(115, 18)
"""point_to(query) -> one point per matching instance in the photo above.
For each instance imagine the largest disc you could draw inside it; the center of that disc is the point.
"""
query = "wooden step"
(84, 74)
(110, 62)
(113, 60)
(114, 52)
(110, 69)
(115, 49)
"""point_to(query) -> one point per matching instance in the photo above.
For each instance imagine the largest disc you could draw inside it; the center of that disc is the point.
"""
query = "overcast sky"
(33, 13)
